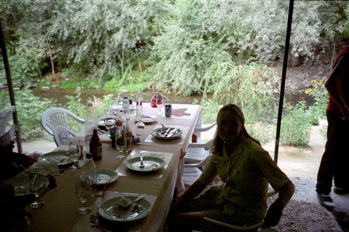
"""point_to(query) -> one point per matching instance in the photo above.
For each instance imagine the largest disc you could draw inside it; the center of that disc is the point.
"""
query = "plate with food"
(61, 157)
(114, 209)
(146, 164)
(105, 176)
(167, 133)
(147, 119)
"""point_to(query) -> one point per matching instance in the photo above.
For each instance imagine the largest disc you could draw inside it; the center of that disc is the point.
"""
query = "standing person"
(335, 160)
(245, 169)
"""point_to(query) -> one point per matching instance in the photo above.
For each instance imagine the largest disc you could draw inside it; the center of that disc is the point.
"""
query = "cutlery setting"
(168, 132)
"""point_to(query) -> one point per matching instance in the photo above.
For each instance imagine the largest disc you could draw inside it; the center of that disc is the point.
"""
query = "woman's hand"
(273, 215)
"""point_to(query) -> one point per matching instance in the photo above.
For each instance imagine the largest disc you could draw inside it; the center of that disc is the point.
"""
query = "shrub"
(320, 95)
(295, 127)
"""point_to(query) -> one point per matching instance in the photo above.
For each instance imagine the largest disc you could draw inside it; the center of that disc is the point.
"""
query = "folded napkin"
(157, 98)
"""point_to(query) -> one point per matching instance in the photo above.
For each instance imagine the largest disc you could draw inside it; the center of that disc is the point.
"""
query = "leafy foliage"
(29, 109)
(296, 124)
(218, 47)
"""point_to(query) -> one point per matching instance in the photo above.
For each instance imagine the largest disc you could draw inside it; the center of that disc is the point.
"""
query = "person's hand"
(273, 215)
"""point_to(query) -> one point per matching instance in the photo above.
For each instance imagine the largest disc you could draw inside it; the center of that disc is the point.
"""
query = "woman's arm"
(194, 190)
(274, 213)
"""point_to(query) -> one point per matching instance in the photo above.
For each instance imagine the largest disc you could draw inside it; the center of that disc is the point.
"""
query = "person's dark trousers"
(335, 160)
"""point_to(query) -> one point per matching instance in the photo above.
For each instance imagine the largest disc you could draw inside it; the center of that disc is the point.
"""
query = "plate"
(167, 133)
(151, 164)
(62, 158)
(21, 184)
(119, 107)
(101, 122)
(137, 211)
(105, 176)
(147, 119)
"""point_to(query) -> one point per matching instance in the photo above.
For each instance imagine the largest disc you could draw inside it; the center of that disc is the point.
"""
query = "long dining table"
(60, 211)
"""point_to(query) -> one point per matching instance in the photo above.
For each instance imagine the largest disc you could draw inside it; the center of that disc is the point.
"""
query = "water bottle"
(118, 121)
(88, 170)
(90, 124)
(128, 133)
(139, 104)
(125, 106)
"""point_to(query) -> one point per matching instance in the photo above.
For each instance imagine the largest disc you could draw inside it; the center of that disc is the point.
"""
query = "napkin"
(157, 98)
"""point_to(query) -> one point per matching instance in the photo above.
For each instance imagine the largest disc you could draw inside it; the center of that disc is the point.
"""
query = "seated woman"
(245, 169)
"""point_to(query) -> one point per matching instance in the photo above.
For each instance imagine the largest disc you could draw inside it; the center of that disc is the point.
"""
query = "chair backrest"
(57, 116)
(4, 118)
(7, 130)
(62, 135)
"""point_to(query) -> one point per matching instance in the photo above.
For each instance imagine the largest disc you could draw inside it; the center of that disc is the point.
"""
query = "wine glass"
(83, 191)
(75, 155)
(140, 127)
(160, 102)
(121, 144)
(37, 185)
(108, 123)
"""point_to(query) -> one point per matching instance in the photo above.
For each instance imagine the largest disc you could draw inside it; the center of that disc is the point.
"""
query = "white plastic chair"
(57, 116)
(196, 157)
(192, 171)
(198, 130)
(195, 160)
(197, 153)
(212, 225)
(6, 130)
(62, 135)
(4, 118)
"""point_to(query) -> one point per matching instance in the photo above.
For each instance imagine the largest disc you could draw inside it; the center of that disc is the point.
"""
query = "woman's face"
(229, 126)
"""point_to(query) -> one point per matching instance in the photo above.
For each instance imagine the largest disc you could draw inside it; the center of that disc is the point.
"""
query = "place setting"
(146, 119)
(117, 211)
(145, 163)
(169, 134)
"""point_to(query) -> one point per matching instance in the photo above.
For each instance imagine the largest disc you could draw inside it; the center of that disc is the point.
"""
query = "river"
(58, 95)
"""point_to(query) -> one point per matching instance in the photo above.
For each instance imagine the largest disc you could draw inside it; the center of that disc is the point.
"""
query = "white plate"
(62, 158)
(119, 106)
(111, 121)
(137, 211)
(105, 176)
(151, 164)
(159, 133)
(147, 119)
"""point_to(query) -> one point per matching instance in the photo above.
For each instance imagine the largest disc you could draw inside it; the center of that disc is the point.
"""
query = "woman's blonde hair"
(218, 144)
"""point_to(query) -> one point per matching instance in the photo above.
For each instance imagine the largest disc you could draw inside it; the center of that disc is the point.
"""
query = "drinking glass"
(108, 123)
(160, 102)
(121, 144)
(83, 191)
(37, 185)
(75, 154)
(140, 127)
